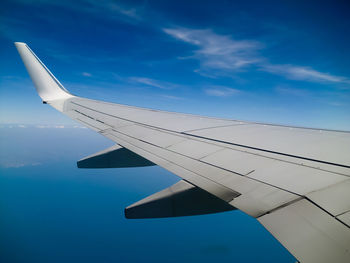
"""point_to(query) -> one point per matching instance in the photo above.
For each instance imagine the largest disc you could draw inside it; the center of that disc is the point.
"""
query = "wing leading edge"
(295, 181)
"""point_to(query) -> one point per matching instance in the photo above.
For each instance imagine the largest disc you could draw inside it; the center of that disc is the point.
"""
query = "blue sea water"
(52, 211)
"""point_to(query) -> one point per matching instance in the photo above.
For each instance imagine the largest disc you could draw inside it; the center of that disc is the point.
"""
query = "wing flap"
(335, 198)
(309, 233)
(345, 218)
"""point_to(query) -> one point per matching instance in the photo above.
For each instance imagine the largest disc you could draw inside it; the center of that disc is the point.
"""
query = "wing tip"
(19, 44)
(46, 84)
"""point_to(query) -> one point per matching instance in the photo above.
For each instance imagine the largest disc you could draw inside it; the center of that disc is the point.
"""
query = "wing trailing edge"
(309, 232)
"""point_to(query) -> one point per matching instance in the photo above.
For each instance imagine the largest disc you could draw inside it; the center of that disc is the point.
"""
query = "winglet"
(47, 86)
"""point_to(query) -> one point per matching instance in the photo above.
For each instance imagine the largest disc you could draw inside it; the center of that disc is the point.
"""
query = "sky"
(283, 62)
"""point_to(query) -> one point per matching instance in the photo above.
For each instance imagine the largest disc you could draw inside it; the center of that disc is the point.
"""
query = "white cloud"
(303, 73)
(335, 103)
(218, 52)
(109, 8)
(50, 126)
(42, 126)
(148, 82)
(171, 97)
(223, 55)
(291, 91)
(154, 83)
(221, 91)
(86, 74)
(129, 12)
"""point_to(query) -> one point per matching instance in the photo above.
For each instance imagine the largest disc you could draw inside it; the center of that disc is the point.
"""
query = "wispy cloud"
(291, 91)
(303, 73)
(335, 103)
(129, 12)
(86, 74)
(217, 52)
(154, 83)
(171, 97)
(224, 55)
(110, 8)
(221, 91)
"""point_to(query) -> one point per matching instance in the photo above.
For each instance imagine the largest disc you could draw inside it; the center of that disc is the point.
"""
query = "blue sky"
(284, 62)
(272, 62)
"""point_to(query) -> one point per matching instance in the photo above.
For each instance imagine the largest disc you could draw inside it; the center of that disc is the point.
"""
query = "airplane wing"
(294, 181)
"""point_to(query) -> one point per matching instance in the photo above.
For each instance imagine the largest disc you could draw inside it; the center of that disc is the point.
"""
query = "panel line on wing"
(320, 207)
(342, 213)
(281, 206)
(268, 151)
(219, 126)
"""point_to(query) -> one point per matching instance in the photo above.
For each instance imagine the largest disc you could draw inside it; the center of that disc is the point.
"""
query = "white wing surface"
(295, 181)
